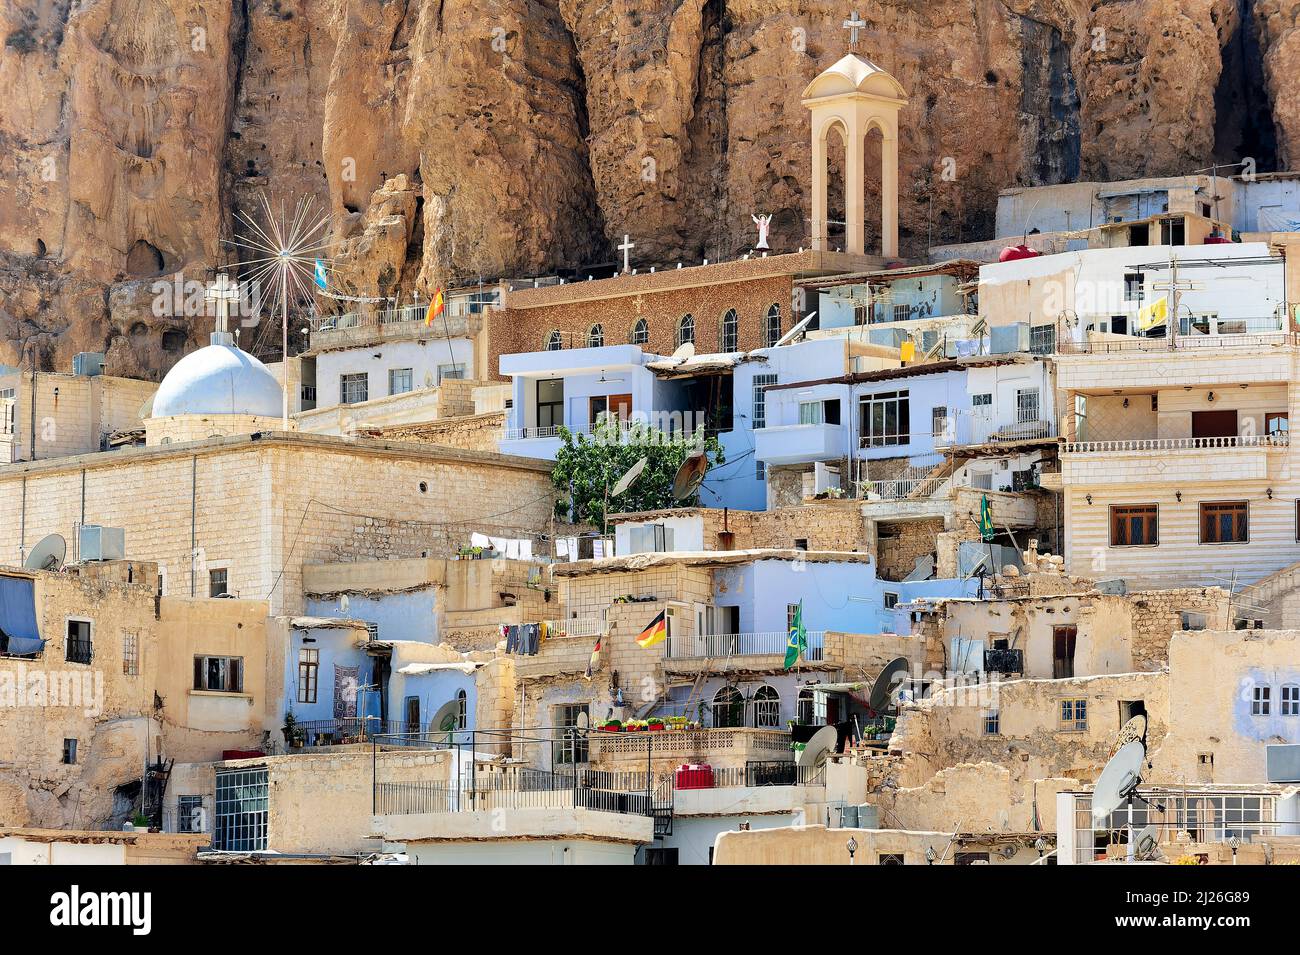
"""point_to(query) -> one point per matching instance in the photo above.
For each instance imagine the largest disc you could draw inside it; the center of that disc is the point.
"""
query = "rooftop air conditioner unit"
(101, 543)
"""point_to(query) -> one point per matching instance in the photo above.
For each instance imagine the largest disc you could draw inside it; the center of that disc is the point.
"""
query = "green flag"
(798, 642)
(986, 519)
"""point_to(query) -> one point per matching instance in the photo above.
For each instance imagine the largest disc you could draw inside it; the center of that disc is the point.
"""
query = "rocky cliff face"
(452, 140)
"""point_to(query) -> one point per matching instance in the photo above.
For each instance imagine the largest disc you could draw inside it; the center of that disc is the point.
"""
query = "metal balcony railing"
(721, 645)
(1130, 344)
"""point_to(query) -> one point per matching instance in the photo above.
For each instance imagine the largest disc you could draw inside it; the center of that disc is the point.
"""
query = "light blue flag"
(320, 274)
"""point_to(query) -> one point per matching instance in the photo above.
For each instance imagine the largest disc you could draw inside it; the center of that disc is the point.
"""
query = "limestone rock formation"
(531, 134)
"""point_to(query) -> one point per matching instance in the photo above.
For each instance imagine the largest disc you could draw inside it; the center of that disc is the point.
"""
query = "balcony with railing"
(1146, 460)
(734, 745)
(1103, 363)
(966, 429)
(720, 646)
(369, 326)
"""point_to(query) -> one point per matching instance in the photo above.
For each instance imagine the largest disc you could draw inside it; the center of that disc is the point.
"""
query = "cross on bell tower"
(223, 291)
(853, 24)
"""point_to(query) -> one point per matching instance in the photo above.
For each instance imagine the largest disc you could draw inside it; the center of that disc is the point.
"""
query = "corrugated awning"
(19, 635)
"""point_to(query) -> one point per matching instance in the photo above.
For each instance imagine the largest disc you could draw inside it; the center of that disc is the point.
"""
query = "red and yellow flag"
(594, 662)
(657, 632)
(435, 307)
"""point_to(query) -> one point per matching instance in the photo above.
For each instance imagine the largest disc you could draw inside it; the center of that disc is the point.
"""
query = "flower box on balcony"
(655, 727)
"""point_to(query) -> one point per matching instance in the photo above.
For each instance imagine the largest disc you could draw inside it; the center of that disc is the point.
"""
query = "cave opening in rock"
(144, 259)
(1243, 116)
(173, 340)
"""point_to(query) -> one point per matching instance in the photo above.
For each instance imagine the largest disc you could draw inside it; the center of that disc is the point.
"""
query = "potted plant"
(294, 737)
(612, 726)
(677, 722)
(655, 725)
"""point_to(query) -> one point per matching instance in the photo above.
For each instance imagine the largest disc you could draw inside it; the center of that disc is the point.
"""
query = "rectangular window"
(612, 406)
(239, 823)
(885, 419)
(456, 371)
(760, 473)
(761, 383)
(1074, 716)
(353, 389)
(569, 720)
(981, 401)
(8, 404)
(218, 581)
(902, 313)
(308, 674)
(550, 403)
(78, 647)
(1224, 522)
(219, 674)
(190, 816)
(939, 421)
(810, 412)
(790, 611)
(70, 752)
(992, 723)
(891, 600)
(1261, 701)
(1133, 285)
(401, 380)
(1134, 525)
(130, 653)
(1027, 405)
(1191, 620)
(1291, 699)
(1042, 339)
(1277, 423)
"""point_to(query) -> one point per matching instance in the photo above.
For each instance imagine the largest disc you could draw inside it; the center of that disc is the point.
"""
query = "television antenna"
(48, 554)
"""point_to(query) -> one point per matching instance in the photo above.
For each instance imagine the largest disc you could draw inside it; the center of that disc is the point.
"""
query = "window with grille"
(218, 582)
(938, 421)
(190, 814)
(640, 332)
(242, 799)
(1224, 522)
(1134, 525)
(1042, 339)
(400, 380)
(8, 404)
(685, 330)
(308, 674)
(729, 331)
(992, 723)
(130, 653)
(760, 470)
(981, 401)
(462, 709)
(596, 336)
(772, 328)
(78, 647)
(767, 708)
(761, 384)
(902, 313)
(554, 341)
(354, 389)
(1026, 405)
(1074, 715)
(219, 674)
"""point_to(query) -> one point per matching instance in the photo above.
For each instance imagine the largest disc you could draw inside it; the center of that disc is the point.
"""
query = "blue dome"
(219, 379)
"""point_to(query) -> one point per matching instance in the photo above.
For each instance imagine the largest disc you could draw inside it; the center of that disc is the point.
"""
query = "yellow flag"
(907, 351)
(1157, 313)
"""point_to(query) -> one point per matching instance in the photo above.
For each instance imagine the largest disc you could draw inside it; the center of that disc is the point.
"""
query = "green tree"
(588, 466)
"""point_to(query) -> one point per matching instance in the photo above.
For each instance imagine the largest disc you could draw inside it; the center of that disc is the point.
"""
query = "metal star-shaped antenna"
(285, 247)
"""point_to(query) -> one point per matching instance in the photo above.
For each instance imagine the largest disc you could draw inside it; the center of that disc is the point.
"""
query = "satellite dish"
(1146, 844)
(685, 350)
(48, 554)
(816, 750)
(447, 719)
(582, 725)
(629, 476)
(882, 698)
(344, 604)
(1134, 730)
(1117, 782)
(690, 476)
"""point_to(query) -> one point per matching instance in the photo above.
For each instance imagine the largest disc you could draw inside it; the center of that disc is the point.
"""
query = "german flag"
(435, 307)
(657, 632)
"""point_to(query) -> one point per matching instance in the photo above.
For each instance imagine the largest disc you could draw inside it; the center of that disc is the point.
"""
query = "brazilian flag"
(798, 642)
(986, 519)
